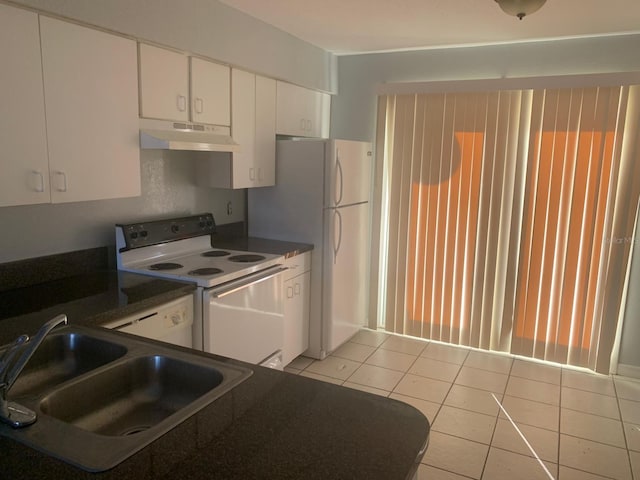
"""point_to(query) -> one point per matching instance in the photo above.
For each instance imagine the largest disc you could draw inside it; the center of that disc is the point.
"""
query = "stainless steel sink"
(101, 396)
(131, 397)
(62, 357)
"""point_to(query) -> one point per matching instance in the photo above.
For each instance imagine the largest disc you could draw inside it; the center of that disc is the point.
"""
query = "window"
(499, 214)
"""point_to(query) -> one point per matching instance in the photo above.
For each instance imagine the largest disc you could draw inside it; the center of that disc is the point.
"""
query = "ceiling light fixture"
(520, 8)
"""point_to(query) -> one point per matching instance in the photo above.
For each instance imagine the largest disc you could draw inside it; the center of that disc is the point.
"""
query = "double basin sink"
(101, 396)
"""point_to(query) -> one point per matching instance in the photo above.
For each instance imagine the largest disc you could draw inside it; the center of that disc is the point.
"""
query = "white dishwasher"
(170, 322)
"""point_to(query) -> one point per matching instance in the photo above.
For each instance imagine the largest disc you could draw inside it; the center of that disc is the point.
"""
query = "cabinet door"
(265, 141)
(296, 317)
(243, 107)
(164, 84)
(91, 96)
(210, 93)
(290, 110)
(321, 115)
(23, 161)
(302, 112)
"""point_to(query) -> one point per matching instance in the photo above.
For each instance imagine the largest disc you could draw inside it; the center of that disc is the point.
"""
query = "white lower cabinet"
(297, 284)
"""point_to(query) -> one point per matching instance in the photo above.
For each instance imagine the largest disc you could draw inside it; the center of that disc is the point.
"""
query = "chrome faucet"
(10, 412)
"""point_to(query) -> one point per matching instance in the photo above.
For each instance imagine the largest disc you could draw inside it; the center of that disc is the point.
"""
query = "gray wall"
(353, 110)
(630, 344)
(168, 189)
(208, 28)
(204, 27)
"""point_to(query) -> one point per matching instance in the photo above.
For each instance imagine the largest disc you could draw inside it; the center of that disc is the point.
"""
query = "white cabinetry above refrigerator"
(302, 112)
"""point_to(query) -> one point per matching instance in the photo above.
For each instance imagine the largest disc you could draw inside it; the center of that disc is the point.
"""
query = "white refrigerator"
(322, 197)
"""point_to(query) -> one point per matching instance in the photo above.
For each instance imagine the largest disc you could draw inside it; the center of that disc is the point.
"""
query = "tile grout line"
(624, 432)
(495, 427)
(442, 405)
(453, 382)
(560, 417)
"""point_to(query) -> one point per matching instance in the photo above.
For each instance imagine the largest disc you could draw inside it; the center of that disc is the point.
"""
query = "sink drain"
(136, 429)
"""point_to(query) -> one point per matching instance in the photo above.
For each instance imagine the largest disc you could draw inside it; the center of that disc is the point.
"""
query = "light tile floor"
(583, 426)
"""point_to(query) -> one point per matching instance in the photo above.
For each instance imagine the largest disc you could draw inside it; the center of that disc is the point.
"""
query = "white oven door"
(244, 319)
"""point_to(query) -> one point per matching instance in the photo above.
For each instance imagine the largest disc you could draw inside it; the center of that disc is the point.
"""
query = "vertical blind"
(503, 218)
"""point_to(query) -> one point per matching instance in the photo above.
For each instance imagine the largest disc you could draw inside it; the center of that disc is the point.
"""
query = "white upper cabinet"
(69, 121)
(253, 111)
(210, 92)
(265, 143)
(164, 84)
(24, 177)
(302, 112)
(176, 87)
(91, 97)
(243, 130)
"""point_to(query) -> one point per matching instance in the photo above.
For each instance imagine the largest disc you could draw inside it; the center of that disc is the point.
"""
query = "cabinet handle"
(289, 292)
(309, 124)
(39, 188)
(303, 124)
(199, 105)
(252, 174)
(296, 289)
(182, 103)
(64, 181)
(260, 173)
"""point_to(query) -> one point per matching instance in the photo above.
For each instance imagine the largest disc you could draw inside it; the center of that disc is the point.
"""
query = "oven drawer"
(245, 319)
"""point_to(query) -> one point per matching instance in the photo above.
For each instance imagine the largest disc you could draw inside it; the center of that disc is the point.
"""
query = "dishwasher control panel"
(170, 322)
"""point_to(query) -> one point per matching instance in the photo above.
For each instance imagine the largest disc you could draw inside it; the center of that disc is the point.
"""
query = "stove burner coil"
(165, 266)
(216, 253)
(205, 271)
(247, 258)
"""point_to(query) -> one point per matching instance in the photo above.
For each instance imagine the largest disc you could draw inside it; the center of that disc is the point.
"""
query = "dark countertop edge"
(261, 245)
(204, 443)
(110, 295)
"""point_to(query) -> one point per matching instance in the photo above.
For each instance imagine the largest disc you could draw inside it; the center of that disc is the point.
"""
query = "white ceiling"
(359, 26)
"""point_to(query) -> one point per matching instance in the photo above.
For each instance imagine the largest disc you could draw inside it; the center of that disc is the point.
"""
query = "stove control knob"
(175, 228)
(144, 233)
(134, 235)
(176, 318)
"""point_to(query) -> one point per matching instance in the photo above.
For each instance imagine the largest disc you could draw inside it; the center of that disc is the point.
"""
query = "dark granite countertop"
(274, 425)
(261, 245)
(87, 299)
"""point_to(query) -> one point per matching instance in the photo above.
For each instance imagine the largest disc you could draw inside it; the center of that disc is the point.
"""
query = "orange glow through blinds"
(503, 208)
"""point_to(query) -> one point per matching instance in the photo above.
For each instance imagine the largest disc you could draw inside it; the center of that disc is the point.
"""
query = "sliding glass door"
(501, 212)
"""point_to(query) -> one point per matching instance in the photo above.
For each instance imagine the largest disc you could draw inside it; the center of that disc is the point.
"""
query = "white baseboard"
(628, 371)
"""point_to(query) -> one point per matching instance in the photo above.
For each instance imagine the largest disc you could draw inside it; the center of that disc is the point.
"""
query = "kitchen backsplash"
(168, 189)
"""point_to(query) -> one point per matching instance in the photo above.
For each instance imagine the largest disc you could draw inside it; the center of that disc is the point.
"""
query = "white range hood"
(167, 135)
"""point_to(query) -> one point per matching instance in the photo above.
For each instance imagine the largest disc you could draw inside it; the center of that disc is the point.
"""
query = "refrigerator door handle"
(336, 244)
(339, 173)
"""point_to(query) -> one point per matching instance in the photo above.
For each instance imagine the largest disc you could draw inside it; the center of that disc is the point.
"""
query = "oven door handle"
(223, 292)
